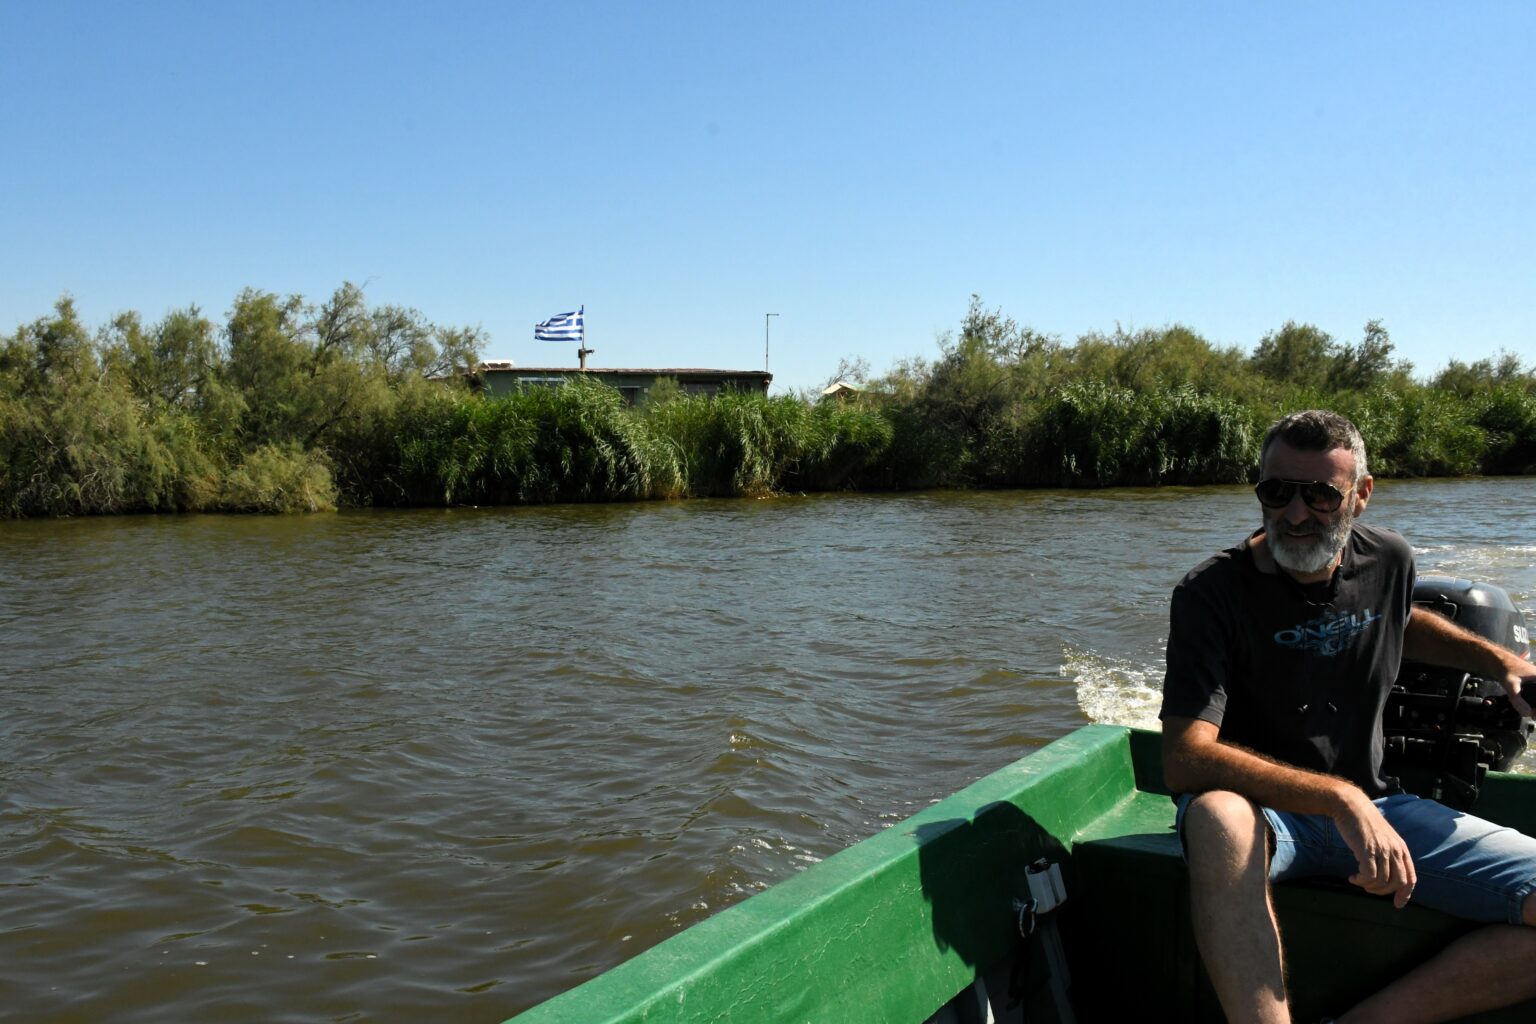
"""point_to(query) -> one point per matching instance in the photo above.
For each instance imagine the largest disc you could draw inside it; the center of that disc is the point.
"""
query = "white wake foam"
(1115, 691)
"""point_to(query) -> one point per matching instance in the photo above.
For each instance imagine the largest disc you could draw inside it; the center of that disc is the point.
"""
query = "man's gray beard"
(1312, 553)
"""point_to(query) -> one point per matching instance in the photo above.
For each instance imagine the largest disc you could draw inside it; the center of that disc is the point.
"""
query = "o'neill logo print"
(1327, 634)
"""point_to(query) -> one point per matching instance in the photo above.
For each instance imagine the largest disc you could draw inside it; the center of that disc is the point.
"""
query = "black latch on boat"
(1047, 892)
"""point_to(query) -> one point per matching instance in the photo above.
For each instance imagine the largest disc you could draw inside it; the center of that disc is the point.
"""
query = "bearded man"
(1281, 653)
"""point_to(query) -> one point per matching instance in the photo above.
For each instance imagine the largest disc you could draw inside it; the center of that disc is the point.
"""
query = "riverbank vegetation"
(292, 406)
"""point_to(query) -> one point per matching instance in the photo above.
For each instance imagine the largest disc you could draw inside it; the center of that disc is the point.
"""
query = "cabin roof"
(660, 372)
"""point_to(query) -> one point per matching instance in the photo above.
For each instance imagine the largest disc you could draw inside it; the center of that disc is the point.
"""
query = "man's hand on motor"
(1519, 680)
(1382, 856)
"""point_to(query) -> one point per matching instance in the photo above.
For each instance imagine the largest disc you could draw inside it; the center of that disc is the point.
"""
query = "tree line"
(296, 406)
(1006, 406)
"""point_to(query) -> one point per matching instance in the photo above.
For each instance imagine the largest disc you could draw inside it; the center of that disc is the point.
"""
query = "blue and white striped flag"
(565, 327)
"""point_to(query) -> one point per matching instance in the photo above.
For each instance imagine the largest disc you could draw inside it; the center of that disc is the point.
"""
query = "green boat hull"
(891, 929)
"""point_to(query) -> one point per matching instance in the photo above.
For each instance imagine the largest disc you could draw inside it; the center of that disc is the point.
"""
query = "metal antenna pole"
(765, 340)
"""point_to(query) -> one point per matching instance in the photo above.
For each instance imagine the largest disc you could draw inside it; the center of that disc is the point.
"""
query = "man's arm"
(1195, 760)
(1436, 640)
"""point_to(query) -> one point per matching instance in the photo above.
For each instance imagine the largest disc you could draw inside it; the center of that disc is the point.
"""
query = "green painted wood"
(887, 930)
(1134, 947)
(891, 928)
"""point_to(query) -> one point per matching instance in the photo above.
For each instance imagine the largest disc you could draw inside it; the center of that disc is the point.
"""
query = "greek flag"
(565, 327)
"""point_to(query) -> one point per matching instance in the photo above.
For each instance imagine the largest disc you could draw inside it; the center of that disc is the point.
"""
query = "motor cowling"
(1445, 729)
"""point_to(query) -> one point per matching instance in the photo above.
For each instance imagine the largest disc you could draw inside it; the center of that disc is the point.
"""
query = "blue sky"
(682, 169)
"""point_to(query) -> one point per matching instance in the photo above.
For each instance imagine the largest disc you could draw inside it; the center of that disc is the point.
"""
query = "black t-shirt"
(1299, 673)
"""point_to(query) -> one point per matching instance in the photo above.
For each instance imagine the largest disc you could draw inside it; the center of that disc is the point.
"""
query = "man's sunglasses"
(1319, 496)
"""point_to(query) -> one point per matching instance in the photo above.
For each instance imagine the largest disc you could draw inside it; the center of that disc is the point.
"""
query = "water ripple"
(444, 764)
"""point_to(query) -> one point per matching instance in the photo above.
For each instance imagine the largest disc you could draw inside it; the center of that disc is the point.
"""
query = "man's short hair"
(1318, 430)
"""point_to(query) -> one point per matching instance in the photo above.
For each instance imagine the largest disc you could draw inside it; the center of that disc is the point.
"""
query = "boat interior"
(930, 920)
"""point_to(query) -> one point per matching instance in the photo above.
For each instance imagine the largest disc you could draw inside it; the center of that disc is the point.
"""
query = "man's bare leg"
(1492, 967)
(1227, 844)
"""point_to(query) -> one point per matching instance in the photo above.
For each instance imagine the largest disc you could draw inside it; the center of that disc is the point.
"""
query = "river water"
(445, 764)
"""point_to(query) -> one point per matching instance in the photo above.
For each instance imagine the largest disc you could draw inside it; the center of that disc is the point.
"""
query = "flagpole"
(581, 343)
(765, 340)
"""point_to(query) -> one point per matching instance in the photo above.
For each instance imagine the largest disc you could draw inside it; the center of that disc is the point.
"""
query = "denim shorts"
(1466, 867)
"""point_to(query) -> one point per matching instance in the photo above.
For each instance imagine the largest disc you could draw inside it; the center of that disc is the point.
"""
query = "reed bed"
(290, 407)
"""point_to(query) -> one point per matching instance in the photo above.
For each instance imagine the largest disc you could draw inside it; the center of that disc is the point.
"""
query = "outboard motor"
(1445, 728)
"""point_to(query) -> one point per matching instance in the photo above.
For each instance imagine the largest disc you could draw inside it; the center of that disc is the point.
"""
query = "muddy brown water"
(445, 764)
